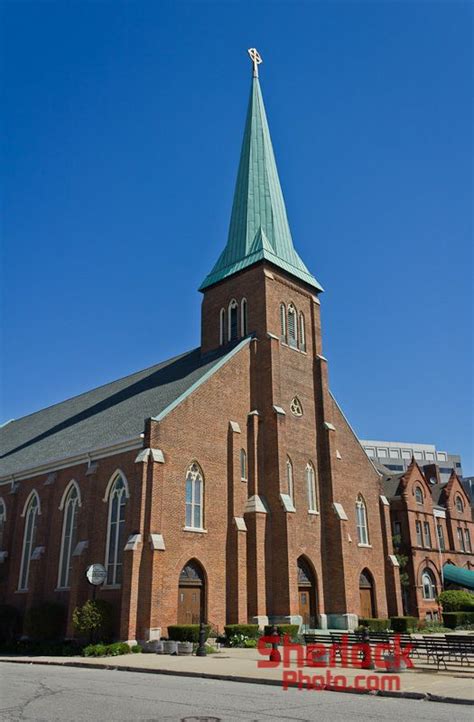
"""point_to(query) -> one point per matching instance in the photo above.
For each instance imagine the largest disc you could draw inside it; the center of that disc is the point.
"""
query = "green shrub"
(186, 632)
(94, 618)
(45, 622)
(403, 624)
(250, 643)
(108, 650)
(375, 624)
(247, 630)
(290, 629)
(117, 648)
(10, 623)
(95, 650)
(456, 600)
(458, 619)
(136, 649)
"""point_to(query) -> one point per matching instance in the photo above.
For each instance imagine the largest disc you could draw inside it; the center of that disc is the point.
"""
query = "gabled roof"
(106, 415)
(392, 485)
(259, 228)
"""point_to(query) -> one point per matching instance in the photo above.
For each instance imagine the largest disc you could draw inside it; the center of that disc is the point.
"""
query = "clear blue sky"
(123, 124)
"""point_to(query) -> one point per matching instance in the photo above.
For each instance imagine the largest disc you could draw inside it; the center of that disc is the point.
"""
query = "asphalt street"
(33, 692)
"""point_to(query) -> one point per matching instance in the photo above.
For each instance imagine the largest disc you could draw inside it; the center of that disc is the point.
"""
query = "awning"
(456, 575)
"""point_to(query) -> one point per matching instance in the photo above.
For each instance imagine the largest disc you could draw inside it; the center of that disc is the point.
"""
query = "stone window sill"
(21, 591)
(365, 546)
(62, 589)
(313, 512)
(195, 529)
(110, 586)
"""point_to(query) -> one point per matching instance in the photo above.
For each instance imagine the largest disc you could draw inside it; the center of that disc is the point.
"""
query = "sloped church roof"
(259, 228)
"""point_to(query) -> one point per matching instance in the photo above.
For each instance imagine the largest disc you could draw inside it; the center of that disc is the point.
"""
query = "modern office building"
(396, 456)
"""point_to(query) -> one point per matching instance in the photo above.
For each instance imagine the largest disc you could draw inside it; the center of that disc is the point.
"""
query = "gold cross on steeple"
(256, 60)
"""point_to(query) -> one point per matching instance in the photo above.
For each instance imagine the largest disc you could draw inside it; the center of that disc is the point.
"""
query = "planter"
(185, 648)
(170, 647)
(159, 649)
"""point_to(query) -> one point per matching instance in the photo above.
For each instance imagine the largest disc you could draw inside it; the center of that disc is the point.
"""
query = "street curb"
(425, 696)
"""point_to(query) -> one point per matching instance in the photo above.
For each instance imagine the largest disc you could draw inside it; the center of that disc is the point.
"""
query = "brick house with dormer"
(432, 525)
(224, 484)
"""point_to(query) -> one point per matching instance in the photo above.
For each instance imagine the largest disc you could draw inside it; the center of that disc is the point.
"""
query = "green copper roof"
(259, 227)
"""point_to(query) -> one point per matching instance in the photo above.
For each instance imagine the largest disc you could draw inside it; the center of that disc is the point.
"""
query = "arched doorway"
(366, 591)
(191, 594)
(306, 594)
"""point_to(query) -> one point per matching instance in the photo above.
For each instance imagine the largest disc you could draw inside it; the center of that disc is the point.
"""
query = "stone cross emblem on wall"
(256, 60)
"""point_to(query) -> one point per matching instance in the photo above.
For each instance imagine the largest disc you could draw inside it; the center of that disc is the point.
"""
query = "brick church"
(224, 484)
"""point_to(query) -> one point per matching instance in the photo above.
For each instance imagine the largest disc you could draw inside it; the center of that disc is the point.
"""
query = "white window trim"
(110, 486)
(311, 488)
(283, 322)
(290, 485)
(232, 304)
(360, 504)
(26, 513)
(198, 530)
(111, 482)
(292, 342)
(193, 503)
(64, 508)
(222, 327)
(243, 317)
(243, 465)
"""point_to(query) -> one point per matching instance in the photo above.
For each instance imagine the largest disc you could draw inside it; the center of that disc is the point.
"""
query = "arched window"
(283, 322)
(428, 584)
(29, 539)
(418, 495)
(222, 327)
(243, 465)
(361, 516)
(243, 317)
(233, 320)
(311, 487)
(459, 504)
(69, 535)
(292, 329)
(289, 478)
(194, 497)
(302, 335)
(3, 521)
(115, 530)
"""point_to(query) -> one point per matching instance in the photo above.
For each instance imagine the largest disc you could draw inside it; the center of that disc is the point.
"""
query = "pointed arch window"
(311, 487)
(459, 505)
(116, 530)
(3, 521)
(243, 317)
(292, 327)
(243, 465)
(29, 539)
(283, 322)
(233, 320)
(361, 517)
(69, 536)
(194, 497)
(302, 334)
(289, 479)
(428, 584)
(222, 327)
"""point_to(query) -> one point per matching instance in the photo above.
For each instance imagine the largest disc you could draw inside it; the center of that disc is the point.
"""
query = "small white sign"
(96, 574)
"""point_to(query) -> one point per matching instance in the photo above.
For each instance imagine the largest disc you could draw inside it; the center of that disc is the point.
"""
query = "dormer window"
(419, 495)
(233, 320)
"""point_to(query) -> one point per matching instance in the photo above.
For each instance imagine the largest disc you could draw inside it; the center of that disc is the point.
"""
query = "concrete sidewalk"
(240, 665)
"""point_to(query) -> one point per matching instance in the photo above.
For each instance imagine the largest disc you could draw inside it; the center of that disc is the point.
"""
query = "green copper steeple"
(259, 228)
